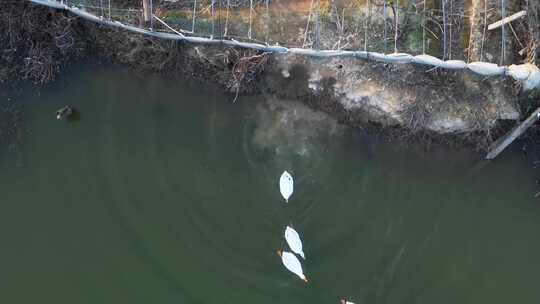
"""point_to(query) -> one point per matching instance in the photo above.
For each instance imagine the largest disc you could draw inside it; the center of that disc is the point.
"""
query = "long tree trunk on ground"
(477, 24)
(147, 13)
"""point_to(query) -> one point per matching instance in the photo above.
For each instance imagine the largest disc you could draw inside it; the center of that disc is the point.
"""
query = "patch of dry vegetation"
(35, 42)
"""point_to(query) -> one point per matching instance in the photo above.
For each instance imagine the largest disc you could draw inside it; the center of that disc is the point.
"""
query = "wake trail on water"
(124, 219)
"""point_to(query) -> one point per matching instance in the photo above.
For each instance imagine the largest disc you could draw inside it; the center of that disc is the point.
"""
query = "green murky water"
(165, 192)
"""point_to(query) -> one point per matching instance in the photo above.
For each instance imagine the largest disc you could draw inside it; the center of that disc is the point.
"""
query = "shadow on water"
(74, 117)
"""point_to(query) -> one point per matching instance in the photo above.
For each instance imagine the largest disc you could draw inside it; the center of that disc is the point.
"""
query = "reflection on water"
(290, 126)
(165, 192)
(286, 135)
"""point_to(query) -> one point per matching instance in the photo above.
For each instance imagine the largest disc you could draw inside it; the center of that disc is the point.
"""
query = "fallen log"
(506, 20)
(147, 12)
(498, 146)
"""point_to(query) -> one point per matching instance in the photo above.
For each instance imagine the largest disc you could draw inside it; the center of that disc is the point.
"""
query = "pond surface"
(166, 192)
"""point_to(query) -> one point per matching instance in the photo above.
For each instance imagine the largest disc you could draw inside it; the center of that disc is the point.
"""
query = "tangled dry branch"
(246, 66)
(35, 41)
(417, 115)
(39, 65)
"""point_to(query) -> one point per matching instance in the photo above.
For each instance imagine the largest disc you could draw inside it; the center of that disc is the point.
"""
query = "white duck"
(343, 301)
(286, 185)
(294, 241)
(292, 263)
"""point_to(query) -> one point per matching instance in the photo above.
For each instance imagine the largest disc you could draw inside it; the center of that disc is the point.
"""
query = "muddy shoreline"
(450, 108)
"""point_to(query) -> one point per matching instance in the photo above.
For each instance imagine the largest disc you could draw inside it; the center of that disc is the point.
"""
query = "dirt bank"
(403, 98)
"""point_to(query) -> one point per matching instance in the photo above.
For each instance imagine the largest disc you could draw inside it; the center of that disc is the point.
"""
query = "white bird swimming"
(343, 301)
(286, 185)
(294, 241)
(292, 263)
